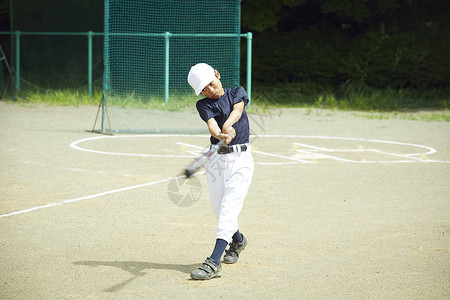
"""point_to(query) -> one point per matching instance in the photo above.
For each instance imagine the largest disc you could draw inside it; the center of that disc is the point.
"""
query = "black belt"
(230, 149)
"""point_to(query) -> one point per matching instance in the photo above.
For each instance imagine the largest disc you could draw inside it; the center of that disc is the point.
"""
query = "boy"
(230, 173)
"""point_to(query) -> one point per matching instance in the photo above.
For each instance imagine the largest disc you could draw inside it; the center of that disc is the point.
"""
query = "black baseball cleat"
(207, 271)
(232, 255)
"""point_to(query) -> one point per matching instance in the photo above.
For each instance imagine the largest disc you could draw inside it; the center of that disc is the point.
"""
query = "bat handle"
(221, 142)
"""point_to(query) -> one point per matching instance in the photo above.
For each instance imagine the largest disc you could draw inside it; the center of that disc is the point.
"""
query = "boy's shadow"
(136, 269)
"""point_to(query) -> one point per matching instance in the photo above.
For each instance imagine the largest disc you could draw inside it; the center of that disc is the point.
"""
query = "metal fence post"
(17, 60)
(90, 34)
(249, 67)
(166, 66)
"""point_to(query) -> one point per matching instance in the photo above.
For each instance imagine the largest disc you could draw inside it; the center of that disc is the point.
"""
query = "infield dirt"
(340, 207)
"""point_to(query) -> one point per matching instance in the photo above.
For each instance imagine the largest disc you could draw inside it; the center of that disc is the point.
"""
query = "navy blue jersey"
(220, 109)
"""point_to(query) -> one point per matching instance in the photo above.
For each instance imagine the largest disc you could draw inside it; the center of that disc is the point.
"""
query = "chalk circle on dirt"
(306, 148)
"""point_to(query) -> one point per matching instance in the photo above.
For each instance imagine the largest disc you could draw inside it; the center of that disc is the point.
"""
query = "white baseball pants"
(229, 177)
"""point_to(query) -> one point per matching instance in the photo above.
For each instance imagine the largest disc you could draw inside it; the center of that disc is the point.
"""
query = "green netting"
(149, 48)
(50, 54)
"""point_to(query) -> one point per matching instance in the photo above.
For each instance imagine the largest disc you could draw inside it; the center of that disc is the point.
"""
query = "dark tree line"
(382, 43)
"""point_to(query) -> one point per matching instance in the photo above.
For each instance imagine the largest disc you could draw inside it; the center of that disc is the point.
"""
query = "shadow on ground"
(135, 268)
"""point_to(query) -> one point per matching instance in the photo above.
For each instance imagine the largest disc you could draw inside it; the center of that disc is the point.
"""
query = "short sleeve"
(205, 110)
(239, 94)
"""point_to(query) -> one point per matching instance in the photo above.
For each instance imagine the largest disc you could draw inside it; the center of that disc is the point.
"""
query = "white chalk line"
(282, 156)
(194, 153)
(190, 145)
(253, 151)
(407, 157)
(90, 196)
(430, 149)
(75, 145)
(313, 152)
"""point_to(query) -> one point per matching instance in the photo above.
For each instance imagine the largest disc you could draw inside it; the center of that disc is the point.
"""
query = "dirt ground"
(340, 207)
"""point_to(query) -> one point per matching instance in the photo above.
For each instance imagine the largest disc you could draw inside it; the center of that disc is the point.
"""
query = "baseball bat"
(200, 161)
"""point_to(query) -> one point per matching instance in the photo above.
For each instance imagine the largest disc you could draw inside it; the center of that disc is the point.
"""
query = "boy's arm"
(227, 131)
(234, 116)
(215, 131)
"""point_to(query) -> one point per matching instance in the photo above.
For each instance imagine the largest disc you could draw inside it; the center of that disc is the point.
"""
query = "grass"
(77, 98)
(58, 97)
(352, 96)
(362, 101)
(416, 116)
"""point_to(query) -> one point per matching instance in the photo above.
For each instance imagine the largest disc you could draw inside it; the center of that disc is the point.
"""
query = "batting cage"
(149, 47)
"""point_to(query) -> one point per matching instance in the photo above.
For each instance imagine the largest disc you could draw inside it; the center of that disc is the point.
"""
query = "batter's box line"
(198, 150)
(315, 149)
(297, 160)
